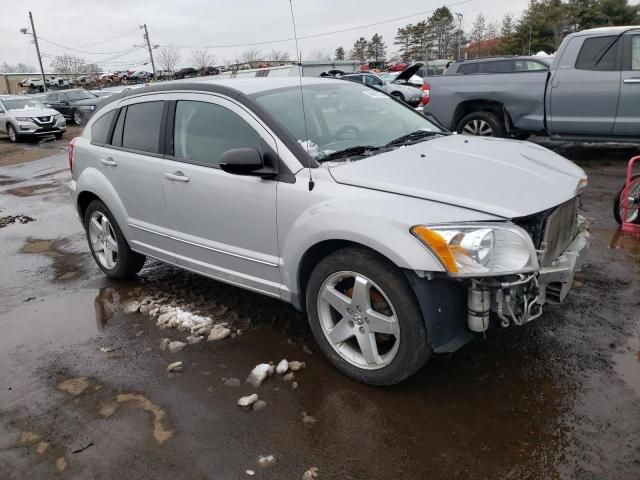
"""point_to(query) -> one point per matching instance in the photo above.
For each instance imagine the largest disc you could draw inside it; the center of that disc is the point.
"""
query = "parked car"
(397, 67)
(332, 73)
(499, 65)
(405, 93)
(31, 82)
(396, 238)
(76, 104)
(589, 93)
(187, 72)
(22, 116)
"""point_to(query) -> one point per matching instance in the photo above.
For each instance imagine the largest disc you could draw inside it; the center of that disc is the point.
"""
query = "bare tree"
(202, 59)
(68, 64)
(17, 68)
(251, 55)
(168, 59)
(279, 56)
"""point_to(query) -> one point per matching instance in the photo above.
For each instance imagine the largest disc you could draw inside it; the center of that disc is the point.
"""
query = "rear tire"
(398, 96)
(380, 337)
(108, 246)
(76, 116)
(482, 124)
(617, 211)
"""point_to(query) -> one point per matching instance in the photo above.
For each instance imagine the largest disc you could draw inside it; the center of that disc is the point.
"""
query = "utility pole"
(146, 37)
(35, 41)
(460, 16)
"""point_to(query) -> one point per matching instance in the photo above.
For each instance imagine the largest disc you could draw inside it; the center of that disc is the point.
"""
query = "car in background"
(102, 93)
(332, 73)
(31, 82)
(405, 93)
(76, 105)
(500, 65)
(397, 67)
(22, 116)
(187, 72)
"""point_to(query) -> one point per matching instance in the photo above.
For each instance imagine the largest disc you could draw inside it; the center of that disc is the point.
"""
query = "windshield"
(23, 104)
(79, 95)
(341, 116)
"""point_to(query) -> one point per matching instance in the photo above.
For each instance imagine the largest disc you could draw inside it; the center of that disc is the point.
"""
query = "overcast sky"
(199, 23)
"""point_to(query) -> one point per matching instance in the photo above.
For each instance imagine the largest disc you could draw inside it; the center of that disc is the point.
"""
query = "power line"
(79, 51)
(108, 39)
(323, 34)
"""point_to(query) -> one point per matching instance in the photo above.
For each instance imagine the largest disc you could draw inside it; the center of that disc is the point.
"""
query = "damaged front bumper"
(517, 300)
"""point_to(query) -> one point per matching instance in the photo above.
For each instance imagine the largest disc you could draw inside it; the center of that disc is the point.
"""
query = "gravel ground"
(86, 393)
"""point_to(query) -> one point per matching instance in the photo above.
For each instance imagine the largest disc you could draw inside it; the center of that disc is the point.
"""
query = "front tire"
(13, 134)
(481, 124)
(108, 246)
(365, 317)
(76, 116)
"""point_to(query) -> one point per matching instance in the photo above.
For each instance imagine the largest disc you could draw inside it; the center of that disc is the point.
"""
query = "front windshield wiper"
(359, 150)
(412, 137)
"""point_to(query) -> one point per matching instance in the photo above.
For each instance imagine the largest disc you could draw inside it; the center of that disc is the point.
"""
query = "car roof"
(509, 57)
(13, 97)
(246, 86)
(607, 30)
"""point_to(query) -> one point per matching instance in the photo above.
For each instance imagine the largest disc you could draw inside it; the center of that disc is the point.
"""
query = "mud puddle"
(627, 242)
(55, 320)
(39, 189)
(628, 362)
(11, 219)
(67, 265)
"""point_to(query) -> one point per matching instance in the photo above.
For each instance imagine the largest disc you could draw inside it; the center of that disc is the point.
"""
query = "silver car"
(405, 93)
(22, 116)
(396, 238)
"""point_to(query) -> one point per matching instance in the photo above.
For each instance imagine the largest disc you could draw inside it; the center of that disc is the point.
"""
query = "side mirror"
(246, 161)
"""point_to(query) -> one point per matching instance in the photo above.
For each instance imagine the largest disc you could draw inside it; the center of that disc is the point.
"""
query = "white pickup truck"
(591, 92)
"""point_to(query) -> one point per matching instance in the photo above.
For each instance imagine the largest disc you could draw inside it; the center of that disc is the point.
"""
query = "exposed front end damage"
(518, 299)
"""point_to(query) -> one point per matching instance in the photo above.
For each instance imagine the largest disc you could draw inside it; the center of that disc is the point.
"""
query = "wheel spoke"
(361, 296)
(369, 348)
(341, 332)
(381, 323)
(113, 245)
(95, 223)
(337, 300)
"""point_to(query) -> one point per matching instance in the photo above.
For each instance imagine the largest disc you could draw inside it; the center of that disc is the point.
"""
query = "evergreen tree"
(339, 53)
(441, 33)
(359, 50)
(377, 49)
(403, 40)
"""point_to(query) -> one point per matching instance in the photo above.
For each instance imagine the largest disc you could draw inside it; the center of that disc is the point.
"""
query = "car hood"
(33, 112)
(408, 72)
(501, 177)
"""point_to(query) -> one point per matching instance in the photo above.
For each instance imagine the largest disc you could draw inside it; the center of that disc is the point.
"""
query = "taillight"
(71, 154)
(426, 94)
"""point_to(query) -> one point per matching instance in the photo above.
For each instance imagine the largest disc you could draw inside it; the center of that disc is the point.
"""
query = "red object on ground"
(625, 201)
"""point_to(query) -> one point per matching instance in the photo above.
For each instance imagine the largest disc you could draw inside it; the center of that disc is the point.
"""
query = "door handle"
(632, 80)
(177, 176)
(110, 162)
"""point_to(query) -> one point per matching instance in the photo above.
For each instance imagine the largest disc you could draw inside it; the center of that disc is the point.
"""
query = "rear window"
(467, 68)
(598, 53)
(100, 128)
(142, 127)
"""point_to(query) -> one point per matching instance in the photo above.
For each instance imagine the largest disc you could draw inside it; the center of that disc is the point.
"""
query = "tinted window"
(468, 68)
(142, 126)
(503, 66)
(529, 66)
(100, 128)
(353, 78)
(52, 97)
(598, 53)
(117, 131)
(204, 131)
(371, 80)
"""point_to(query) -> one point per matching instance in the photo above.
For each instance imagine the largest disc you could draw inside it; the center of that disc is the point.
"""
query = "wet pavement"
(85, 391)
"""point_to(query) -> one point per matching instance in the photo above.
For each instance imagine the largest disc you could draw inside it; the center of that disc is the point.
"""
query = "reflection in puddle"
(39, 189)
(66, 264)
(627, 242)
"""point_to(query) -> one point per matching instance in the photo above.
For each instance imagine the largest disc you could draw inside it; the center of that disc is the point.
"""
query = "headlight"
(58, 116)
(472, 250)
(87, 107)
(24, 119)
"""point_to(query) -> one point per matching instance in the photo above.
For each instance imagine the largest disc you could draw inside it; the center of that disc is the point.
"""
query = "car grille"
(554, 229)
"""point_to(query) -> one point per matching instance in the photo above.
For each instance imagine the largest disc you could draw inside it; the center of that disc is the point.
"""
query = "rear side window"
(467, 68)
(204, 131)
(100, 128)
(142, 127)
(598, 53)
(116, 140)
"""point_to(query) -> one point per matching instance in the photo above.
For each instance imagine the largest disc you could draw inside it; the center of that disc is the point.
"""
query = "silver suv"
(22, 116)
(396, 238)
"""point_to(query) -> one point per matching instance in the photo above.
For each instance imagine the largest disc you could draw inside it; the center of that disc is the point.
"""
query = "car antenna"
(304, 114)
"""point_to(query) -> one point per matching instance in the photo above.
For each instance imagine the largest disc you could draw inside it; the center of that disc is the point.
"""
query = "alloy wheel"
(103, 240)
(77, 118)
(358, 320)
(12, 134)
(478, 127)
